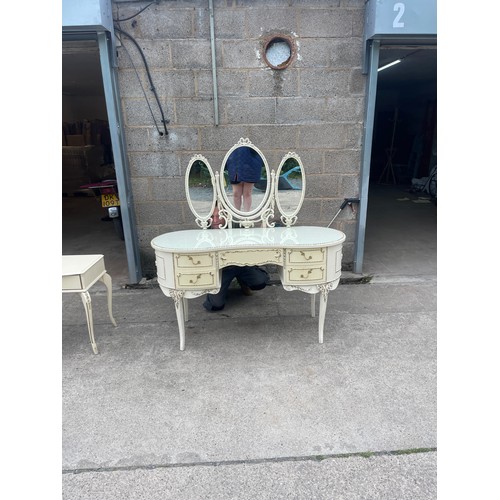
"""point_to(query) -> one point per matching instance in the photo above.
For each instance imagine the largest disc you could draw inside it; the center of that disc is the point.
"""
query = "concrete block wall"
(315, 107)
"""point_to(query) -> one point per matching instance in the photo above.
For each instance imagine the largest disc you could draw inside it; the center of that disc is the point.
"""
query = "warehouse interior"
(401, 220)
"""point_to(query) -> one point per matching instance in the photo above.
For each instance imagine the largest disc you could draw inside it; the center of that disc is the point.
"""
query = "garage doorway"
(401, 217)
(87, 157)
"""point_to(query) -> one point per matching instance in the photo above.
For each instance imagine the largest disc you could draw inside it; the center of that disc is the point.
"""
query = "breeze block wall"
(314, 107)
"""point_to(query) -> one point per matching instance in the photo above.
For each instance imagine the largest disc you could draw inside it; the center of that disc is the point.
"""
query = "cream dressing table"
(189, 263)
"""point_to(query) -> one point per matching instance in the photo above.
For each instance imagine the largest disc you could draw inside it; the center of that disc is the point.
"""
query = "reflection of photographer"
(244, 167)
(249, 277)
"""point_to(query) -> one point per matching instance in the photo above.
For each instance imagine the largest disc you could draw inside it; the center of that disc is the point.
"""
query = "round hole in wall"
(279, 51)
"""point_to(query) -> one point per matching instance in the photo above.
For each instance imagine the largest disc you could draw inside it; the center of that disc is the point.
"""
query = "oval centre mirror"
(200, 191)
(244, 175)
(290, 185)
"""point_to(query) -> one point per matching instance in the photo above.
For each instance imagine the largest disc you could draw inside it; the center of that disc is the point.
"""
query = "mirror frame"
(240, 144)
(287, 218)
(203, 221)
(263, 212)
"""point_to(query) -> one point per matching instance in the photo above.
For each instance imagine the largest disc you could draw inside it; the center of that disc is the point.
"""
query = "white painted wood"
(79, 274)
(189, 263)
(307, 257)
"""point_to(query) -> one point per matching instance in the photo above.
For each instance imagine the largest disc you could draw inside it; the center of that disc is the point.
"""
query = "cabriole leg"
(322, 312)
(179, 311)
(106, 279)
(87, 303)
(313, 305)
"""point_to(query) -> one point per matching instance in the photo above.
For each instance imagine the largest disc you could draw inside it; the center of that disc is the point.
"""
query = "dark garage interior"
(401, 223)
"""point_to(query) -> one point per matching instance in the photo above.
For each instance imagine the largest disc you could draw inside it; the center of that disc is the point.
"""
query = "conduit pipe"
(214, 64)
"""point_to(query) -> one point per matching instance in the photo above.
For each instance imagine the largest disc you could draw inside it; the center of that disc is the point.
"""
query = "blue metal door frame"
(371, 96)
(113, 107)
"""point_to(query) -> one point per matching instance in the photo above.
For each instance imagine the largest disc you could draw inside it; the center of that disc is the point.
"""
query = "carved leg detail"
(106, 279)
(87, 303)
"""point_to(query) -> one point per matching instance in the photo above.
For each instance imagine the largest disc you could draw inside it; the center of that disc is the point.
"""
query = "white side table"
(79, 273)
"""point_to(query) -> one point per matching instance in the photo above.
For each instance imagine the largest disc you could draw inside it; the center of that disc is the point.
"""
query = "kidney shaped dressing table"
(189, 263)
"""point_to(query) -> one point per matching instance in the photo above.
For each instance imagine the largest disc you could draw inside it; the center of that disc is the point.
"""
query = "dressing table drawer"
(306, 256)
(184, 261)
(203, 279)
(251, 257)
(315, 274)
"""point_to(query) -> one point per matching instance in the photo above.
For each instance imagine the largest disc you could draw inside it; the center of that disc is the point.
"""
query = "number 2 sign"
(400, 17)
(399, 8)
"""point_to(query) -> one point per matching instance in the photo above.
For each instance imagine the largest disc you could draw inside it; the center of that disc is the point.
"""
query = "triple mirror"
(245, 190)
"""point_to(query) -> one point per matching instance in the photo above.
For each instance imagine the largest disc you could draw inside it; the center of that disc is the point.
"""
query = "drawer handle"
(304, 255)
(194, 280)
(190, 257)
(308, 273)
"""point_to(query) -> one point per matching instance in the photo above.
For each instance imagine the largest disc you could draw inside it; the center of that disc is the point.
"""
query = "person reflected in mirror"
(249, 277)
(244, 167)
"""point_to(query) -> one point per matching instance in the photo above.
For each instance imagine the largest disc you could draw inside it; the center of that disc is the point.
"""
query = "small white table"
(79, 273)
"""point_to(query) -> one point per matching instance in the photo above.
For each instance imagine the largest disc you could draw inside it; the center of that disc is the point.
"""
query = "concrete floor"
(401, 233)
(400, 240)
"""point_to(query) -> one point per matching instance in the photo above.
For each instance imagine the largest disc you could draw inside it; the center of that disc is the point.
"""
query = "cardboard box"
(75, 140)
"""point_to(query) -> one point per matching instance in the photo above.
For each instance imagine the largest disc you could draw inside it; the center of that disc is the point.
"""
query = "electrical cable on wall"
(136, 14)
(142, 87)
(152, 87)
